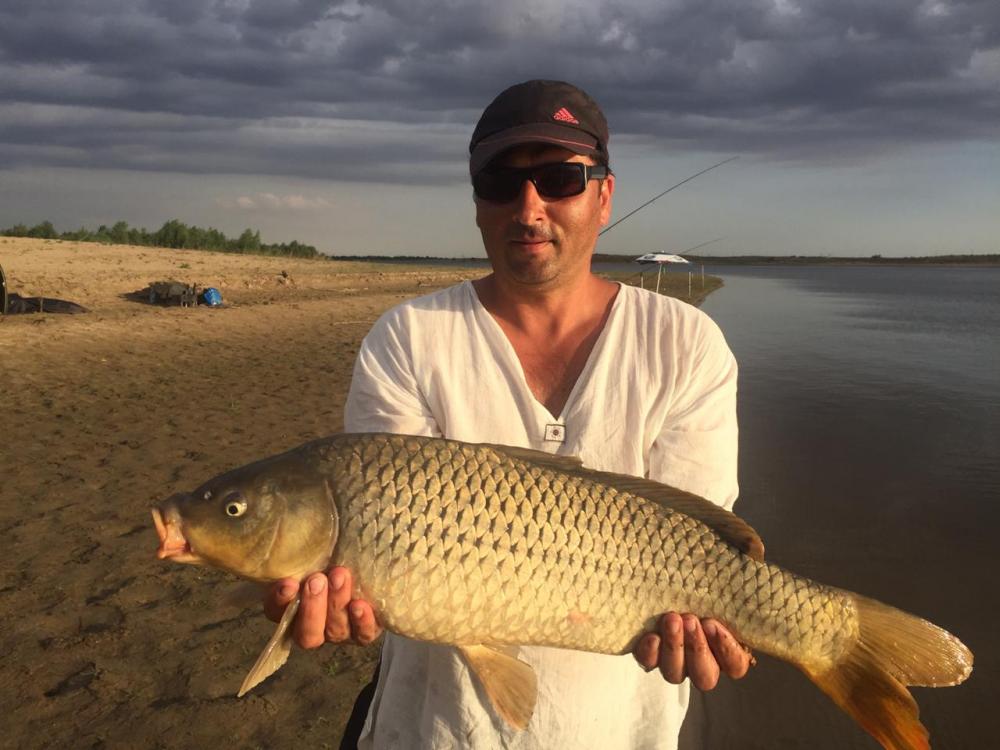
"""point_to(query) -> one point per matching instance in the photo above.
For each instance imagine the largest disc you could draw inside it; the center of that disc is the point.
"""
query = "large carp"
(484, 546)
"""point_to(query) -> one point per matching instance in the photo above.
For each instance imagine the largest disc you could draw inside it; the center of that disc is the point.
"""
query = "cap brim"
(570, 139)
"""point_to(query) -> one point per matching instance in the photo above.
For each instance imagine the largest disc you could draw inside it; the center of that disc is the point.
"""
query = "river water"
(869, 459)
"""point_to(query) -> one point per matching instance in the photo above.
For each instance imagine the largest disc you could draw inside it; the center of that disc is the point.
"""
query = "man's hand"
(327, 612)
(684, 646)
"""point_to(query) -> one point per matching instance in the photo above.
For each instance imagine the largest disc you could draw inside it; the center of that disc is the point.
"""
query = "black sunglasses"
(561, 179)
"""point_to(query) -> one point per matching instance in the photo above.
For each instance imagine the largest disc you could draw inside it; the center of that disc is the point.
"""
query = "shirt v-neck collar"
(503, 348)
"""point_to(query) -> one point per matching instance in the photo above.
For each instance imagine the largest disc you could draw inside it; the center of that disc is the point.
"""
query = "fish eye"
(235, 505)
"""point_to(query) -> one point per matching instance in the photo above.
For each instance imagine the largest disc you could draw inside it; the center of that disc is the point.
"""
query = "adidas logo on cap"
(564, 115)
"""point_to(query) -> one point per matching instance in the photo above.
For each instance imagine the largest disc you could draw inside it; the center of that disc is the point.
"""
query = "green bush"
(173, 234)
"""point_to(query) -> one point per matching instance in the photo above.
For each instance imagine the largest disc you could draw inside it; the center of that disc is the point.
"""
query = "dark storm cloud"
(390, 90)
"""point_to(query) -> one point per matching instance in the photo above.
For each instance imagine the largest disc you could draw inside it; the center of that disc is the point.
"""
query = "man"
(543, 354)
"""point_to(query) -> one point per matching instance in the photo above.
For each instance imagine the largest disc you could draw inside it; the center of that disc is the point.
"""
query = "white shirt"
(656, 398)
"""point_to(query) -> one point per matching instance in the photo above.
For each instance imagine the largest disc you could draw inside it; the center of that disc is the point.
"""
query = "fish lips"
(173, 545)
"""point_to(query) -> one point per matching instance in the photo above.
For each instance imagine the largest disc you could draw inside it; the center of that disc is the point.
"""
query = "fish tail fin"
(893, 650)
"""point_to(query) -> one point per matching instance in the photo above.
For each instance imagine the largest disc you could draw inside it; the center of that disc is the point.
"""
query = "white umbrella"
(660, 259)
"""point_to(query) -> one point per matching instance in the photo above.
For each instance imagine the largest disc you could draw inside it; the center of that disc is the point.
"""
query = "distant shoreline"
(297, 250)
(821, 260)
(731, 260)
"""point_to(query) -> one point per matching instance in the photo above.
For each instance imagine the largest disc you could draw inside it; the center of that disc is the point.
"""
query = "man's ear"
(607, 190)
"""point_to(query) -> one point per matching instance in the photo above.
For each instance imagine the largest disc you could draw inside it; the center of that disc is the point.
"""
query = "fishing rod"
(685, 252)
(672, 187)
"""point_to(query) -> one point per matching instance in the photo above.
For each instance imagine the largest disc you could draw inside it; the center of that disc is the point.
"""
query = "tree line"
(173, 234)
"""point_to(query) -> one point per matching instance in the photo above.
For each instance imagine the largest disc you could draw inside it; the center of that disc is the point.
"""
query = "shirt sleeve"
(384, 395)
(696, 448)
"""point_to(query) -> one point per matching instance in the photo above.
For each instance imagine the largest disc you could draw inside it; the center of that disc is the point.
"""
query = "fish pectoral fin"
(275, 653)
(510, 683)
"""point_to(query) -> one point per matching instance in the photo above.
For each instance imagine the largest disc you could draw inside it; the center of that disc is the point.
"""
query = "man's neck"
(552, 332)
(545, 311)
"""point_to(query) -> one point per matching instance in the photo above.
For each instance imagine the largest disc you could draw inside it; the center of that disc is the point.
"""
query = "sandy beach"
(106, 412)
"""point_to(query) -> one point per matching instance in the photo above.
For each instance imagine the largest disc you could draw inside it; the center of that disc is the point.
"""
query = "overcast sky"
(862, 126)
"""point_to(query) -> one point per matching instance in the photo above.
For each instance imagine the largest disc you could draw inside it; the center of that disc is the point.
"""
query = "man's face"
(538, 241)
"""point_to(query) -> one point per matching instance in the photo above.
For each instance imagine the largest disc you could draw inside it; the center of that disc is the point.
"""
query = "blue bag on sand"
(211, 296)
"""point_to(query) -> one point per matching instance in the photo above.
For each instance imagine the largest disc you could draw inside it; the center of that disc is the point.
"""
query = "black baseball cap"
(539, 111)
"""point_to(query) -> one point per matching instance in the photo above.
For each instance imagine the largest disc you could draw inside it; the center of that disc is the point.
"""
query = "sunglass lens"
(559, 180)
(499, 186)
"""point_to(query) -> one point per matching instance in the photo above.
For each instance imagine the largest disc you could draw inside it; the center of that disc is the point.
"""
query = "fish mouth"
(173, 545)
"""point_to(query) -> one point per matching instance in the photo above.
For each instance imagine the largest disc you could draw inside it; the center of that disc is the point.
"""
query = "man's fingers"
(311, 617)
(327, 612)
(278, 597)
(699, 660)
(338, 625)
(647, 651)
(733, 659)
(672, 648)
(364, 628)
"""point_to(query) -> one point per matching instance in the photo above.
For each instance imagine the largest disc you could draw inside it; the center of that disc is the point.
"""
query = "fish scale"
(481, 546)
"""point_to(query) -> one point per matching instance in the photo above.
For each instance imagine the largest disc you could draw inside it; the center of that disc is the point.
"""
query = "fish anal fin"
(893, 649)
(275, 653)
(510, 683)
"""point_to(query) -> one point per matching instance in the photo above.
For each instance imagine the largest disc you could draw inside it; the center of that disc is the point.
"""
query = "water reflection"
(870, 459)
(936, 327)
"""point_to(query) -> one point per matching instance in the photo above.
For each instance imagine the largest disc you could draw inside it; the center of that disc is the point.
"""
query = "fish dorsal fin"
(726, 524)
(550, 460)
(275, 653)
(510, 683)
